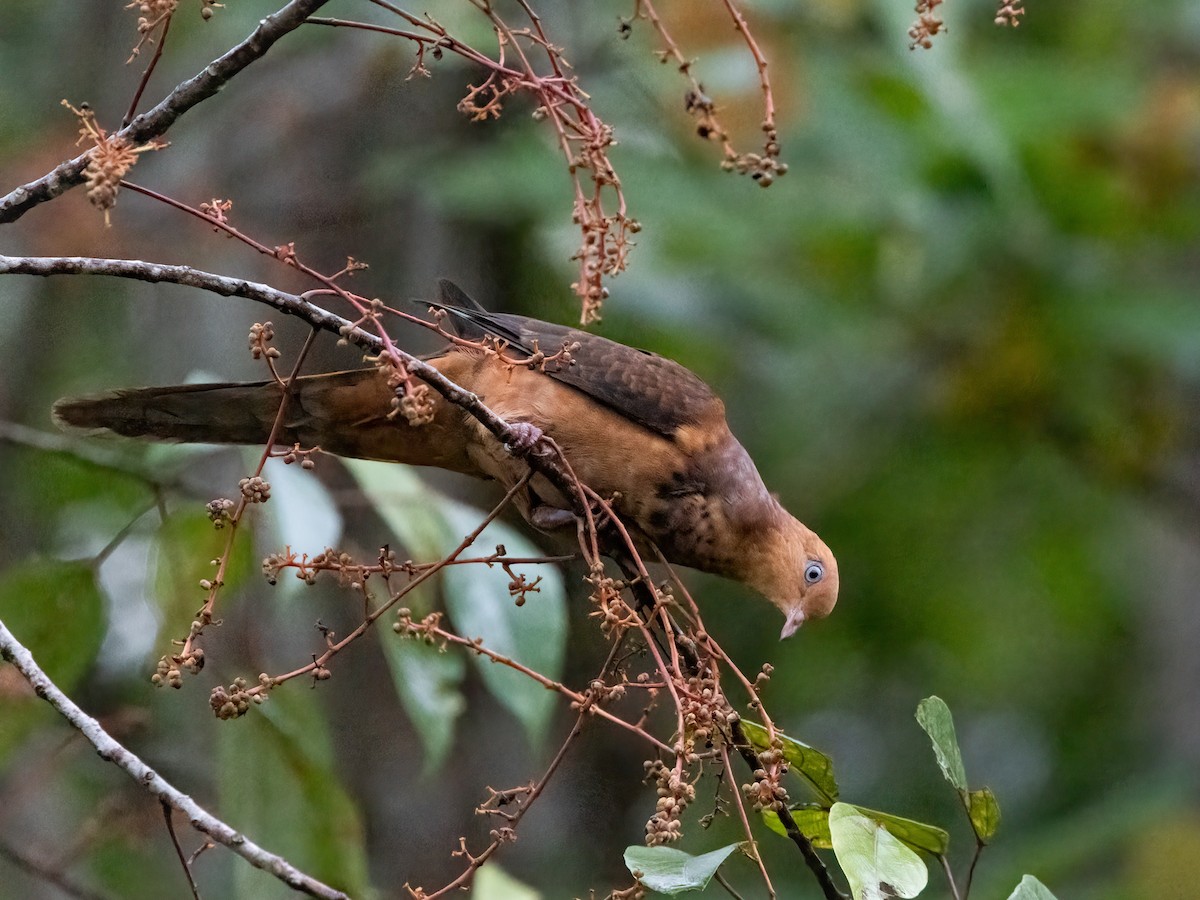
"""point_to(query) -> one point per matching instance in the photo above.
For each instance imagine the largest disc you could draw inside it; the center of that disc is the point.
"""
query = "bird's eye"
(813, 573)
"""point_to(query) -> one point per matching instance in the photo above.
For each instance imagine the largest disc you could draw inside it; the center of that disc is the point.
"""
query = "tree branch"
(113, 751)
(155, 122)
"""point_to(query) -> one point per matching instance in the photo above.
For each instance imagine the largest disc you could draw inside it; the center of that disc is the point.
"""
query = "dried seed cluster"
(260, 338)
(169, 670)
(705, 711)
(766, 792)
(406, 627)
(219, 511)
(350, 572)
(255, 489)
(674, 795)
(216, 209)
(1009, 13)
(928, 24)
(152, 12)
(108, 160)
(763, 167)
(416, 404)
(305, 457)
(611, 609)
(234, 701)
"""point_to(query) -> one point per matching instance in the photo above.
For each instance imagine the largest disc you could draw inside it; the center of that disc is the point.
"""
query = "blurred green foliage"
(960, 338)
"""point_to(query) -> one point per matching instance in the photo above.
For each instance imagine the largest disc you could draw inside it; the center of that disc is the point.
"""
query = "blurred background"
(961, 338)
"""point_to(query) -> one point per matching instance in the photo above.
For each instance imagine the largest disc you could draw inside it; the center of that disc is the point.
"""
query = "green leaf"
(427, 682)
(1031, 889)
(534, 634)
(670, 871)
(916, 835)
(493, 883)
(431, 526)
(409, 507)
(934, 716)
(984, 812)
(277, 785)
(877, 865)
(55, 608)
(813, 822)
(808, 762)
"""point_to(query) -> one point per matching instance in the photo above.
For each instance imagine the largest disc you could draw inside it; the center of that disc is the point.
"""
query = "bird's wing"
(646, 388)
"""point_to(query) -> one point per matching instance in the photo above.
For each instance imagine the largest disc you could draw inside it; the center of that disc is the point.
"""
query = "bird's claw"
(523, 437)
(551, 518)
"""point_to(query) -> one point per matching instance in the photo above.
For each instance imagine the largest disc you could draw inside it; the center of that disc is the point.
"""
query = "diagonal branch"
(110, 749)
(155, 122)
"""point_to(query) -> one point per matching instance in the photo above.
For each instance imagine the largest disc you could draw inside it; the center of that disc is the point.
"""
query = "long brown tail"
(190, 413)
(344, 413)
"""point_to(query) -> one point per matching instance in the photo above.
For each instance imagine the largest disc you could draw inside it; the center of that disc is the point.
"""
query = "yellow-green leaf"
(812, 820)
(808, 762)
(984, 812)
(915, 834)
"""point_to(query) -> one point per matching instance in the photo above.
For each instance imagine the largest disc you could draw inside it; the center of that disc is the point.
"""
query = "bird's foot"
(523, 437)
(551, 518)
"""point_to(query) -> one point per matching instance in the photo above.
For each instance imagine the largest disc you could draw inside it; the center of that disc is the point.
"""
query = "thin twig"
(205, 616)
(725, 884)
(575, 697)
(371, 617)
(49, 874)
(741, 808)
(979, 845)
(113, 751)
(145, 79)
(464, 880)
(187, 869)
(949, 875)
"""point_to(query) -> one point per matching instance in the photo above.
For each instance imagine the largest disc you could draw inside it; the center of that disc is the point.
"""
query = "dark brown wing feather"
(649, 389)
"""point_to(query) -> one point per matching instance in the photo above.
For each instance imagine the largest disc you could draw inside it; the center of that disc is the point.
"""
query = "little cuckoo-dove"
(633, 425)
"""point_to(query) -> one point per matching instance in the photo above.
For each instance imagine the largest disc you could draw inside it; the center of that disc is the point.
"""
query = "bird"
(634, 426)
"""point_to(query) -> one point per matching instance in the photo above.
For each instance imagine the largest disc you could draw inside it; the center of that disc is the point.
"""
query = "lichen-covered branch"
(113, 751)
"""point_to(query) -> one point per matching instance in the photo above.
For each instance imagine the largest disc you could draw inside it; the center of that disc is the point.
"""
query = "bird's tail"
(189, 413)
(345, 413)
(233, 413)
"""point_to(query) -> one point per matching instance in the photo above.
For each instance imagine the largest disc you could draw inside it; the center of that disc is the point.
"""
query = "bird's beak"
(794, 620)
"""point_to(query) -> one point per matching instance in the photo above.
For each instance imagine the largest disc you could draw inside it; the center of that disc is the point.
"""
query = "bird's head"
(797, 572)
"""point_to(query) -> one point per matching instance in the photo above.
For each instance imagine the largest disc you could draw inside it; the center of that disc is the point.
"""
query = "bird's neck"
(757, 528)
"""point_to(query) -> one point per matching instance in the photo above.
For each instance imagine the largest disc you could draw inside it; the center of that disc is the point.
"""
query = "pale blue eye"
(813, 573)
